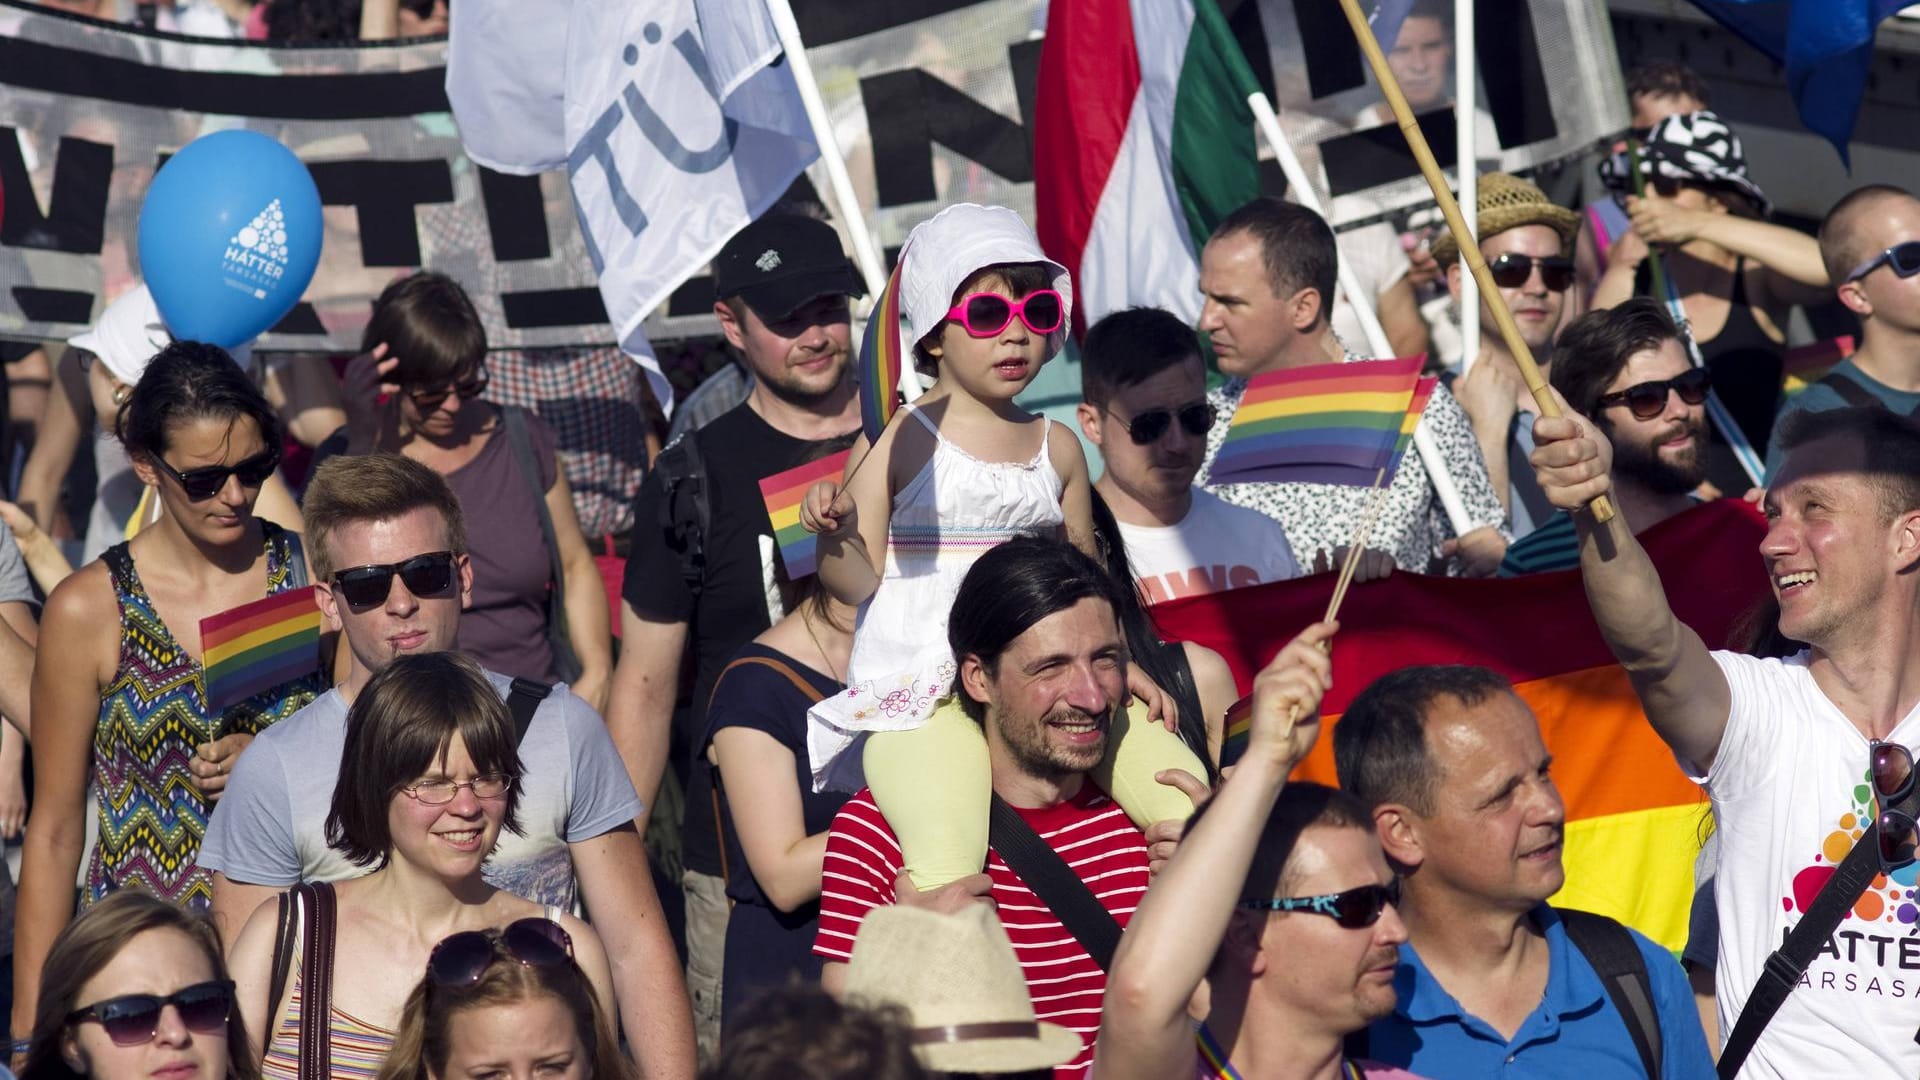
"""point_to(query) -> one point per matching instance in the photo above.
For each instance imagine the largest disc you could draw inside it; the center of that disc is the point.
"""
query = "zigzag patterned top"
(152, 716)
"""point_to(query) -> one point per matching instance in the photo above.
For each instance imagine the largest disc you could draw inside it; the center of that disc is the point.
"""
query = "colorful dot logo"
(1892, 898)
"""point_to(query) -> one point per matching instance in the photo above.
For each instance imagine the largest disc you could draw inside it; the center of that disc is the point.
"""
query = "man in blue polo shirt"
(1490, 982)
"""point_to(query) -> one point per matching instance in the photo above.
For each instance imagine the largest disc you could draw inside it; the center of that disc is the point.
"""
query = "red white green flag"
(1143, 140)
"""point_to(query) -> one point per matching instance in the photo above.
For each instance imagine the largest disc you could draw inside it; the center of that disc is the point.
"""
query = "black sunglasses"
(429, 400)
(1902, 258)
(1892, 769)
(365, 587)
(460, 960)
(1511, 271)
(203, 484)
(1355, 909)
(132, 1020)
(1649, 399)
(1147, 427)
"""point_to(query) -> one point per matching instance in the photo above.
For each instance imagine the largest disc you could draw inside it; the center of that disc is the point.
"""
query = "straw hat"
(958, 979)
(1508, 202)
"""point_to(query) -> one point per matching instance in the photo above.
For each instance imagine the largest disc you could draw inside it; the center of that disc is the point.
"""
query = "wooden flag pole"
(1601, 507)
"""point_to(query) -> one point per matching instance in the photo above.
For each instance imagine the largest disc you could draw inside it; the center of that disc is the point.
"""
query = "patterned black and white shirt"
(1412, 525)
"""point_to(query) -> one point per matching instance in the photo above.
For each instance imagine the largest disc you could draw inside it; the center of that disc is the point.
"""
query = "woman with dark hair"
(509, 1001)
(539, 607)
(132, 987)
(429, 776)
(125, 706)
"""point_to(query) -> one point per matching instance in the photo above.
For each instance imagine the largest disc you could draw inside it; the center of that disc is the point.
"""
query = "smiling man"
(1042, 667)
(1782, 745)
(1493, 981)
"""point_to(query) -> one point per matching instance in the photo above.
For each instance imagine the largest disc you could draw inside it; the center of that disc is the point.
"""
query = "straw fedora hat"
(1508, 202)
(957, 977)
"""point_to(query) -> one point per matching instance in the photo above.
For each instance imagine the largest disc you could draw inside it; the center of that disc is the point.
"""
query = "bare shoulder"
(1063, 449)
(83, 614)
(1205, 663)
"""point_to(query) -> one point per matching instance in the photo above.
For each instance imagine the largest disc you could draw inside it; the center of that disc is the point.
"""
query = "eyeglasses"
(1892, 770)
(1902, 258)
(203, 484)
(1355, 909)
(1649, 399)
(132, 1020)
(429, 400)
(1511, 271)
(441, 792)
(460, 960)
(985, 314)
(1147, 427)
(366, 587)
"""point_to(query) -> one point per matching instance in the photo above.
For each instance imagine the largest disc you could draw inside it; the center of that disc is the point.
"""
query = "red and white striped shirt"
(1089, 831)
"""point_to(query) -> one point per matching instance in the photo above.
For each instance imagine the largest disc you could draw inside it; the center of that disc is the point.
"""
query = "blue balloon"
(230, 235)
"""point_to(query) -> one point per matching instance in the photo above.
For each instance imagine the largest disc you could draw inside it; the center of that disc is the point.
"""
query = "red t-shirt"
(1090, 832)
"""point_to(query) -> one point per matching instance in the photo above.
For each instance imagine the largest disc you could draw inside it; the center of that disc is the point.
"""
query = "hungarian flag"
(1634, 821)
(1143, 141)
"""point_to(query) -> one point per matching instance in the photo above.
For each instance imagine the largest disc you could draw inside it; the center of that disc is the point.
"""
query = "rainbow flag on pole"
(1422, 393)
(260, 645)
(783, 493)
(880, 360)
(1325, 424)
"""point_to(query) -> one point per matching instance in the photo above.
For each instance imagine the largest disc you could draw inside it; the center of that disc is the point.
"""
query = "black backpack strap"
(284, 946)
(1787, 963)
(1617, 959)
(1850, 390)
(1054, 882)
(685, 507)
(523, 700)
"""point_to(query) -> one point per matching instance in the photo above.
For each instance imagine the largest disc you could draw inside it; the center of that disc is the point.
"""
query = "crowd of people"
(950, 803)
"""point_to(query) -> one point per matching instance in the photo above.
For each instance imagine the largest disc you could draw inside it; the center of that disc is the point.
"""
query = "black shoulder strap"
(316, 978)
(1787, 963)
(684, 506)
(1054, 882)
(1617, 959)
(523, 700)
(1849, 390)
(283, 948)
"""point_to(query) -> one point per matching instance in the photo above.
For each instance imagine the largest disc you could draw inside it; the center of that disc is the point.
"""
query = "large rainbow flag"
(1634, 821)
(783, 493)
(1324, 424)
(260, 645)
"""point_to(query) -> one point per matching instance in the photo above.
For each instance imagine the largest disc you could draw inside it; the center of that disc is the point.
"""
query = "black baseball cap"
(782, 261)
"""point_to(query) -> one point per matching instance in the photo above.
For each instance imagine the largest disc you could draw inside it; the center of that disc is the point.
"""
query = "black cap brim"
(777, 299)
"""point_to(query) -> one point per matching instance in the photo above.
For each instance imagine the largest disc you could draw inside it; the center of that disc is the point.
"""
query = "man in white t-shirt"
(1144, 404)
(1782, 745)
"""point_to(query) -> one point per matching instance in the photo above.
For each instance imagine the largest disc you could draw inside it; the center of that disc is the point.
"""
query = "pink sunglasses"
(986, 314)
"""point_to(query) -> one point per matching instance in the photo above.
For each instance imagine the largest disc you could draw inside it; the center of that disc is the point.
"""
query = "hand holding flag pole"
(1601, 507)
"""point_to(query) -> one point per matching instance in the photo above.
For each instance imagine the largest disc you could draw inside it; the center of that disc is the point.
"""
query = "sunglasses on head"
(1512, 271)
(460, 960)
(203, 484)
(466, 390)
(1649, 399)
(985, 314)
(1892, 770)
(132, 1020)
(1355, 909)
(1145, 428)
(1902, 258)
(365, 587)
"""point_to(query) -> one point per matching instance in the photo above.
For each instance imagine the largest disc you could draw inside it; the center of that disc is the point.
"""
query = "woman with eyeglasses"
(136, 987)
(539, 607)
(428, 779)
(120, 693)
(509, 1003)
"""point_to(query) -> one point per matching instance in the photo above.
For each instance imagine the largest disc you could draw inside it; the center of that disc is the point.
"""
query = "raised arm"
(851, 520)
(1683, 691)
(1145, 1030)
(1792, 256)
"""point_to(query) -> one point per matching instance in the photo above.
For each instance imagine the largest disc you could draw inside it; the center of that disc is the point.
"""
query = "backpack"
(685, 507)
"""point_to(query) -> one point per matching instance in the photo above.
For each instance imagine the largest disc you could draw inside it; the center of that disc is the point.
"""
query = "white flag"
(506, 81)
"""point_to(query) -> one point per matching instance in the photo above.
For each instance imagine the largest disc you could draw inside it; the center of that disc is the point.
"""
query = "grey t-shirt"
(270, 826)
(14, 582)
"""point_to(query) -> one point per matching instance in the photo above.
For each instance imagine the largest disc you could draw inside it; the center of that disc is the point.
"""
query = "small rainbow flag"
(1324, 424)
(783, 493)
(1422, 392)
(880, 359)
(1239, 724)
(260, 645)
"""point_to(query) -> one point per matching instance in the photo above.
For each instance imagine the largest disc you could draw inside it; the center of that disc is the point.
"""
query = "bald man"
(1870, 243)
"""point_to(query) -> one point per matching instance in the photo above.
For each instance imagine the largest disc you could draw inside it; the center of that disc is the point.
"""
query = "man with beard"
(698, 578)
(1492, 980)
(1042, 667)
(1626, 369)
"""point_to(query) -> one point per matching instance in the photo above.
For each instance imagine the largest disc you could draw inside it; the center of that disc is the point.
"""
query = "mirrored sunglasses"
(1355, 909)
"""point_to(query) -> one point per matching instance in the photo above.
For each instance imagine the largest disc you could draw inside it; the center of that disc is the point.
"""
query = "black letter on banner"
(384, 193)
(1334, 62)
(516, 215)
(76, 217)
(909, 111)
(1510, 73)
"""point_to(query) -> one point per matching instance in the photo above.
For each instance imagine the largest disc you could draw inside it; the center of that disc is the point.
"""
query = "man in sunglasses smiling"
(1144, 404)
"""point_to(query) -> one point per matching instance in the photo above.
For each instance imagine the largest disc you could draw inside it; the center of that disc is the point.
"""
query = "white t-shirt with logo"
(1790, 793)
(1216, 547)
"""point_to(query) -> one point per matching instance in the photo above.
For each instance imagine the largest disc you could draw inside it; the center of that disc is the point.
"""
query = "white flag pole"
(1303, 193)
(1466, 115)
